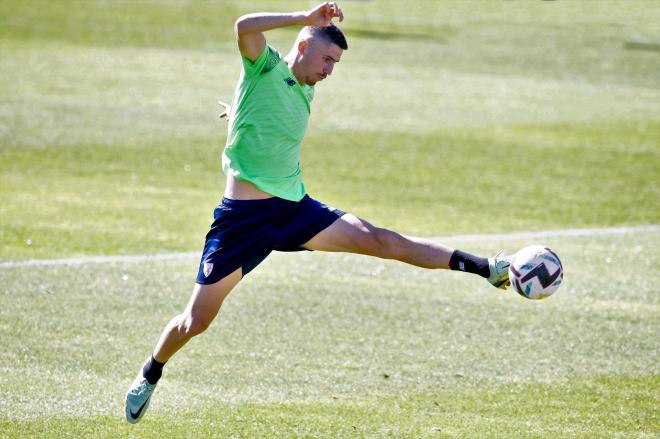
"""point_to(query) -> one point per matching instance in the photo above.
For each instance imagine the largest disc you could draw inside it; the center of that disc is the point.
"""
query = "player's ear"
(302, 47)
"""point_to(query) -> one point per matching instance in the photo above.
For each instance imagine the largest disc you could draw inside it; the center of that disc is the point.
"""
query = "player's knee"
(193, 325)
(384, 242)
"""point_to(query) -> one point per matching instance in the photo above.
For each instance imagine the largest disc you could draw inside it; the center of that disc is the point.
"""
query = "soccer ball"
(536, 272)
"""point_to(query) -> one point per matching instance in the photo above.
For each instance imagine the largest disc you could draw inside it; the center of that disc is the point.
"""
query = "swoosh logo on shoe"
(137, 414)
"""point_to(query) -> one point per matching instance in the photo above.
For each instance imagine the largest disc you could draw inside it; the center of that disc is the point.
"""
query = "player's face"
(319, 59)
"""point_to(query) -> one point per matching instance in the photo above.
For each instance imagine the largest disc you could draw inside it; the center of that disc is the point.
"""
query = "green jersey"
(267, 123)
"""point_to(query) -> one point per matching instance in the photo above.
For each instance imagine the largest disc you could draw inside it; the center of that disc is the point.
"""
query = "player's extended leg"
(352, 234)
(202, 308)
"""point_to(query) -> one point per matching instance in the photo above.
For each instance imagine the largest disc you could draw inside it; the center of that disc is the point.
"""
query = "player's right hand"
(322, 15)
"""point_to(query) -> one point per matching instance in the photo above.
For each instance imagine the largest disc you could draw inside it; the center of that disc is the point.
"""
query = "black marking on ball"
(519, 288)
(541, 273)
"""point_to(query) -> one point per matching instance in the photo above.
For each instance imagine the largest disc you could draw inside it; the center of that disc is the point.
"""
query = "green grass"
(443, 118)
(131, 200)
(531, 410)
(397, 351)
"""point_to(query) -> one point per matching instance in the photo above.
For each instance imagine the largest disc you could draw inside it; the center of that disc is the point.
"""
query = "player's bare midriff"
(243, 190)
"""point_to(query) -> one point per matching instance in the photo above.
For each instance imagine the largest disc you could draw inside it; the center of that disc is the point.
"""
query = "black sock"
(466, 262)
(153, 370)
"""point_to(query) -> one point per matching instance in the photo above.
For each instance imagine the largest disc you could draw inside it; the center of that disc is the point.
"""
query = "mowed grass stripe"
(573, 408)
(159, 197)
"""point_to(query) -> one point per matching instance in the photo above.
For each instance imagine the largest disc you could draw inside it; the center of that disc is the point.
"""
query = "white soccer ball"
(536, 272)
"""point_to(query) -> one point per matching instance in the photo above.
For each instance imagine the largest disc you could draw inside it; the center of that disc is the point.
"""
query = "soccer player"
(265, 206)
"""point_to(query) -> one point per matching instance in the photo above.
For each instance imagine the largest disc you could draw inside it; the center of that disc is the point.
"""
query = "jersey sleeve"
(266, 61)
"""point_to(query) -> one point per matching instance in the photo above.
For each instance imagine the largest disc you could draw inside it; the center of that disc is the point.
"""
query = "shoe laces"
(501, 262)
(143, 387)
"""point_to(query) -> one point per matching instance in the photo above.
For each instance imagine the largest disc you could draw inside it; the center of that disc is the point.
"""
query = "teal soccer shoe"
(138, 397)
(499, 270)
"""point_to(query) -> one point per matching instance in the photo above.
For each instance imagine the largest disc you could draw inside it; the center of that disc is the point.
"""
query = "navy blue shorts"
(244, 232)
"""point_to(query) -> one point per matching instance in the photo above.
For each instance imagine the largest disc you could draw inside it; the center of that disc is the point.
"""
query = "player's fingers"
(333, 9)
(328, 12)
(336, 11)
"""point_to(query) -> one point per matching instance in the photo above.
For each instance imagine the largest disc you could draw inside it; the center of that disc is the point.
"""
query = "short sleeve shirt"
(267, 123)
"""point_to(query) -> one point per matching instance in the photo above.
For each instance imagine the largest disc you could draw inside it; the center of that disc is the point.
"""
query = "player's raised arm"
(250, 28)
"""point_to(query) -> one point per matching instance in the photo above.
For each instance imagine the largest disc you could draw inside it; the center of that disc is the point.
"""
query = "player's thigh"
(206, 300)
(348, 234)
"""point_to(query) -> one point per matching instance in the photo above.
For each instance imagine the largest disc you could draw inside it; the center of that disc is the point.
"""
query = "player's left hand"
(323, 14)
(224, 114)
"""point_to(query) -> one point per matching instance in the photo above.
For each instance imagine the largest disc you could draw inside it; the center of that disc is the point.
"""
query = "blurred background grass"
(443, 117)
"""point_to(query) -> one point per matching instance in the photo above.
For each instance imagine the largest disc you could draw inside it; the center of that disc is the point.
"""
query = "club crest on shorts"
(208, 268)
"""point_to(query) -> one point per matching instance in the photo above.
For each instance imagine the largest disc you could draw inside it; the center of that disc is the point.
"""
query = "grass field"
(398, 351)
(442, 118)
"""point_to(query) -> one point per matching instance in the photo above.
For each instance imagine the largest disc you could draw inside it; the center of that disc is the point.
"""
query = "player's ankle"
(462, 261)
(152, 370)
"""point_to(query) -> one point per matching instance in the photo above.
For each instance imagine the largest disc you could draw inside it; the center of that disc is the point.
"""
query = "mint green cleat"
(499, 270)
(138, 397)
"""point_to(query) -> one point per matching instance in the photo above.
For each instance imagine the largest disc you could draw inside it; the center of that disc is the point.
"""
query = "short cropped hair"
(331, 34)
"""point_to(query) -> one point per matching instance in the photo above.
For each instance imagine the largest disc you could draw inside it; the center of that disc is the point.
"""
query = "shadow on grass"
(395, 36)
(653, 46)
(389, 34)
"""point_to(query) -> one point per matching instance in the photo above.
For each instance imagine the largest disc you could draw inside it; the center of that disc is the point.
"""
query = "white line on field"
(445, 239)
(99, 260)
(551, 234)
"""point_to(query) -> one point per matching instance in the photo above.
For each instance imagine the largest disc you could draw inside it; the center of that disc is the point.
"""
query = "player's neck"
(290, 60)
